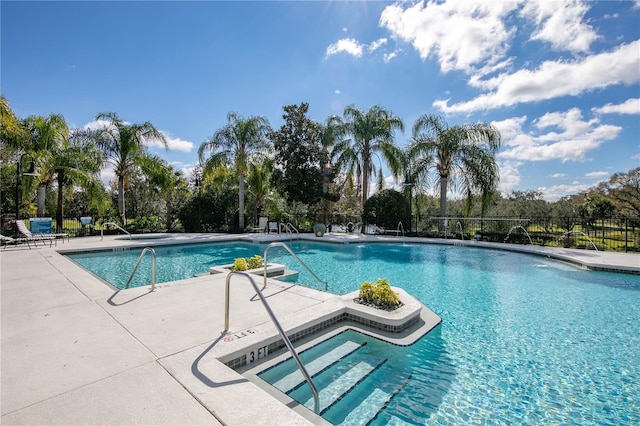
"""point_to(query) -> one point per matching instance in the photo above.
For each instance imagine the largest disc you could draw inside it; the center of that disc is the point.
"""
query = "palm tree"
(78, 160)
(464, 152)
(12, 129)
(123, 146)
(236, 143)
(372, 131)
(258, 185)
(171, 183)
(48, 135)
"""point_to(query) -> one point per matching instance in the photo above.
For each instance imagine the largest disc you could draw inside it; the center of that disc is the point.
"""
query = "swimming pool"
(173, 262)
(523, 339)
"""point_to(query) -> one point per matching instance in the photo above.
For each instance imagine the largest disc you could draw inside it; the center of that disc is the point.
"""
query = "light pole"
(408, 184)
(19, 174)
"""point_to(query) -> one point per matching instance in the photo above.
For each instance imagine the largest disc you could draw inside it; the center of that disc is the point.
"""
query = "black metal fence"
(614, 234)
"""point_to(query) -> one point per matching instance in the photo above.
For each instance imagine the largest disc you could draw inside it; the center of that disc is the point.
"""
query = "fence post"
(626, 233)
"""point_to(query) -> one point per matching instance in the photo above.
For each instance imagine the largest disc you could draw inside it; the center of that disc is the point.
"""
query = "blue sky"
(561, 80)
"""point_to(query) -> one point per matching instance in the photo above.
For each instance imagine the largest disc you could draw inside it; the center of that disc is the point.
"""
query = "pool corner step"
(368, 409)
(344, 384)
(294, 380)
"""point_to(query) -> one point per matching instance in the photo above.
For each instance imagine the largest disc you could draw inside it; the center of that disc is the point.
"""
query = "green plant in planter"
(255, 262)
(240, 264)
(379, 294)
(367, 292)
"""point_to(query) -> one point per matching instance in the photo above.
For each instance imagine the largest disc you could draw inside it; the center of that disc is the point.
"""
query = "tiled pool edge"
(404, 326)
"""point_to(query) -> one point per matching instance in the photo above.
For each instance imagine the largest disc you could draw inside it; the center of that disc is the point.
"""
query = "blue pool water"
(523, 339)
(173, 262)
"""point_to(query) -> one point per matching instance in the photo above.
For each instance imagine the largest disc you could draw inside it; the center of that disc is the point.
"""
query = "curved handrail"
(114, 224)
(400, 226)
(290, 229)
(153, 267)
(281, 244)
(294, 354)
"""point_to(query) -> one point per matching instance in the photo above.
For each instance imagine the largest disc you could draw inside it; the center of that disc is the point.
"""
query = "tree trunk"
(121, 198)
(60, 207)
(443, 201)
(241, 201)
(168, 216)
(365, 180)
(42, 192)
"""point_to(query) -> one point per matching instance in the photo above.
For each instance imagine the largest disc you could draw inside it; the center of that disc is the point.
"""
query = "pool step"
(318, 365)
(368, 408)
(343, 385)
(394, 421)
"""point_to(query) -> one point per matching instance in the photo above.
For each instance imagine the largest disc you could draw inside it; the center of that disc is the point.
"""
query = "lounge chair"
(262, 225)
(26, 234)
(5, 241)
(273, 226)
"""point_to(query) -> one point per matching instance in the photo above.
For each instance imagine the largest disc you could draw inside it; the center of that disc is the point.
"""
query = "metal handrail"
(281, 244)
(400, 226)
(290, 229)
(153, 267)
(114, 224)
(294, 354)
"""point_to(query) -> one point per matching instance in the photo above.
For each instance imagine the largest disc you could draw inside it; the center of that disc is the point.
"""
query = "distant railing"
(612, 234)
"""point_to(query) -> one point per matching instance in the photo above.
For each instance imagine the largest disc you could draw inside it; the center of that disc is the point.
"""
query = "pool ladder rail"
(289, 229)
(113, 224)
(283, 245)
(153, 267)
(294, 354)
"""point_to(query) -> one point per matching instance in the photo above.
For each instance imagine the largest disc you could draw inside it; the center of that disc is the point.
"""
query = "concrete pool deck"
(76, 351)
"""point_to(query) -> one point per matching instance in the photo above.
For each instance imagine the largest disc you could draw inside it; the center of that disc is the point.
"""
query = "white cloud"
(630, 106)
(554, 79)
(596, 174)
(561, 136)
(554, 193)
(389, 56)
(107, 175)
(460, 34)
(376, 44)
(509, 175)
(560, 23)
(558, 175)
(346, 45)
(174, 144)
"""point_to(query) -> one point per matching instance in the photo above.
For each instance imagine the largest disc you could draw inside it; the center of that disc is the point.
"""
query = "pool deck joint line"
(76, 351)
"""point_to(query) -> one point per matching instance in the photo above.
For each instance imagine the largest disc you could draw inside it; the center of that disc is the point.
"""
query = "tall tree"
(49, 135)
(123, 145)
(301, 158)
(236, 143)
(77, 161)
(170, 183)
(259, 185)
(463, 153)
(12, 129)
(624, 190)
(371, 131)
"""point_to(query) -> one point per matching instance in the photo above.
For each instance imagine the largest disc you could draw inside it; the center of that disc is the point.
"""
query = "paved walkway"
(74, 351)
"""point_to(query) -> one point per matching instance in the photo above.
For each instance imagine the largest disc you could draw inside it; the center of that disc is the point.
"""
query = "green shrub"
(379, 294)
(240, 264)
(386, 208)
(255, 262)
(367, 291)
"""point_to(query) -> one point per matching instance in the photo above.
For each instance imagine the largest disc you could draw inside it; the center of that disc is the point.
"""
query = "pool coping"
(41, 288)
